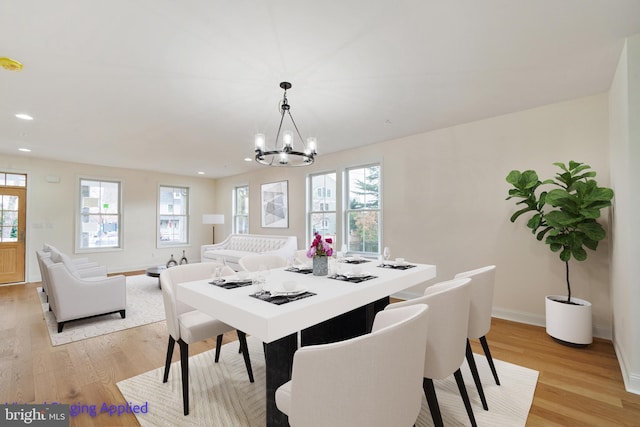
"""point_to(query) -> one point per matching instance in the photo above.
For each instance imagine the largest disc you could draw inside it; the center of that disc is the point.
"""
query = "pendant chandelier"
(287, 154)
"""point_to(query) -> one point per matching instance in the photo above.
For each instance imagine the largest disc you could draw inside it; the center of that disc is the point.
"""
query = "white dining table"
(278, 325)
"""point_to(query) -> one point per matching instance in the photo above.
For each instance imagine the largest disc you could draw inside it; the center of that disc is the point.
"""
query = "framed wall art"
(275, 205)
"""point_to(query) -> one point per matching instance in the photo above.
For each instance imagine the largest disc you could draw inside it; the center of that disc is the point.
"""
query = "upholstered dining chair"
(445, 348)
(255, 262)
(301, 257)
(480, 320)
(187, 325)
(372, 380)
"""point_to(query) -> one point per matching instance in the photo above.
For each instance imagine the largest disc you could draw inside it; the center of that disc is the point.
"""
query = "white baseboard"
(631, 380)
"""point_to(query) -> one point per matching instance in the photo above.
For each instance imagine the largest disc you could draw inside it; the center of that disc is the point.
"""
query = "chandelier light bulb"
(287, 139)
(260, 142)
(312, 145)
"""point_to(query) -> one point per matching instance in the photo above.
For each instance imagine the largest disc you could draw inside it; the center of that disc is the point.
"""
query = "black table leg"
(345, 326)
(279, 362)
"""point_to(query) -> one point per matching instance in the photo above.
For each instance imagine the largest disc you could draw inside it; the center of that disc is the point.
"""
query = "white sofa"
(236, 246)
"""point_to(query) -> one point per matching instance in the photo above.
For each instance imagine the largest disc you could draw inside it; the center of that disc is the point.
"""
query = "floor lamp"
(213, 219)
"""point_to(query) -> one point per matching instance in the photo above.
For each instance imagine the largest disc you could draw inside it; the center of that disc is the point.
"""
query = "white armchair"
(80, 262)
(73, 297)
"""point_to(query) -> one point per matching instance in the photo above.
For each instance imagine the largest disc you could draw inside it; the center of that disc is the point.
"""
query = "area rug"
(221, 394)
(144, 305)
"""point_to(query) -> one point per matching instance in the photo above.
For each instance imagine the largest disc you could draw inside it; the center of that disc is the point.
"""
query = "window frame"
(187, 217)
(347, 210)
(79, 215)
(234, 206)
(311, 194)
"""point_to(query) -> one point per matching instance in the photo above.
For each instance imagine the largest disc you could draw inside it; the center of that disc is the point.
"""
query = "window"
(100, 215)
(11, 206)
(363, 209)
(13, 179)
(322, 205)
(173, 214)
(241, 209)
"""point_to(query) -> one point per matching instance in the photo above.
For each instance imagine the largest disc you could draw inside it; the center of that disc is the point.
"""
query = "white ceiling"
(182, 86)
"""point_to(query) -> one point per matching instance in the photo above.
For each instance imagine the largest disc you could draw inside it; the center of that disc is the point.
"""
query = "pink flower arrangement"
(320, 247)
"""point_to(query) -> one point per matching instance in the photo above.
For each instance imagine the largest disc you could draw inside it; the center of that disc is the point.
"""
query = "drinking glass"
(386, 253)
(217, 275)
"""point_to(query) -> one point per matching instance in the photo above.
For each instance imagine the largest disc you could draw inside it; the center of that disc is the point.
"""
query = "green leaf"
(592, 230)
(524, 181)
(541, 234)
(561, 219)
(591, 244)
(565, 255)
(555, 247)
(561, 166)
(586, 175)
(520, 212)
(573, 165)
(590, 213)
(514, 177)
(534, 221)
(579, 254)
(542, 200)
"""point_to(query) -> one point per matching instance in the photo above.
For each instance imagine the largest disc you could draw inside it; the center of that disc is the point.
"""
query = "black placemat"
(231, 284)
(397, 267)
(357, 279)
(281, 299)
(300, 270)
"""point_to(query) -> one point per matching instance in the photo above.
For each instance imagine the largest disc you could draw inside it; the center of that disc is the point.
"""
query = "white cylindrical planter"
(570, 323)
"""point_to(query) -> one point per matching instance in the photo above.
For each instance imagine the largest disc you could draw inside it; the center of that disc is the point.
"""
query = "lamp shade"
(213, 219)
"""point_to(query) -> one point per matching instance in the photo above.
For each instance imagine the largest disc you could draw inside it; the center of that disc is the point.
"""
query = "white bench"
(236, 246)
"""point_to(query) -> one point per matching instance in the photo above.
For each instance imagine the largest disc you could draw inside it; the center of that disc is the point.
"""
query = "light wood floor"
(576, 387)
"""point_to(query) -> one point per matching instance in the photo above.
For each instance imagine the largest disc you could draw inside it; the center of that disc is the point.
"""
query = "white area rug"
(221, 394)
(144, 305)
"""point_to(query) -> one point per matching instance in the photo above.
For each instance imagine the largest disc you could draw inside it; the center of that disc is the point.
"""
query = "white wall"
(624, 101)
(444, 201)
(51, 211)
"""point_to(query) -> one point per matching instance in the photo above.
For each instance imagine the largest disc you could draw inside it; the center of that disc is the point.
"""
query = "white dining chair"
(480, 320)
(372, 380)
(445, 347)
(187, 325)
(259, 261)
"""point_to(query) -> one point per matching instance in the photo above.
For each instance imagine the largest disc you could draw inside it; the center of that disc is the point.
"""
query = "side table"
(155, 272)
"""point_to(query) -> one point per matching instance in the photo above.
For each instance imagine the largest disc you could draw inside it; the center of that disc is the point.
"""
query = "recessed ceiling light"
(26, 150)
(200, 173)
(24, 116)
(248, 159)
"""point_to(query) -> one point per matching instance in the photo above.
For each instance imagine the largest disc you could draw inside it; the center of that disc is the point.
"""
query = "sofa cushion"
(253, 244)
(227, 254)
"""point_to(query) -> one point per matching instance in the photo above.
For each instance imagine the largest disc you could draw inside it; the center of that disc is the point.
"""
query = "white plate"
(236, 279)
(395, 263)
(350, 275)
(282, 292)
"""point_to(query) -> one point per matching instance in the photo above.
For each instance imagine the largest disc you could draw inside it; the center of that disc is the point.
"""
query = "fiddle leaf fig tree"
(565, 216)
